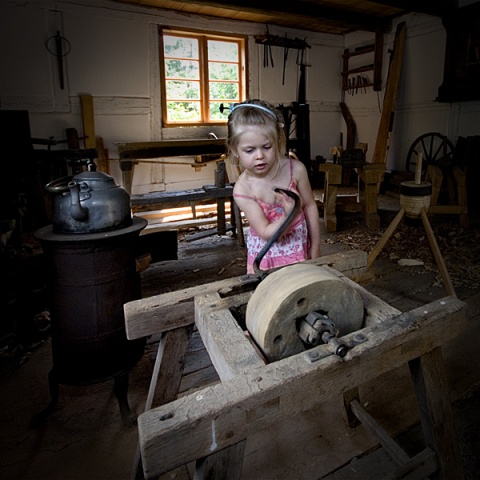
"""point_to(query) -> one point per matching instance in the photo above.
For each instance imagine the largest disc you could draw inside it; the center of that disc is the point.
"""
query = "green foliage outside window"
(184, 77)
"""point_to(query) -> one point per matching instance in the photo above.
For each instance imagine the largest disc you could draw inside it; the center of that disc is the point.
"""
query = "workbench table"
(131, 153)
(211, 425)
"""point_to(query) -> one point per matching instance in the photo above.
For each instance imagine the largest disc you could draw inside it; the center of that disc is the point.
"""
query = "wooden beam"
(303, 11)
(389, 100)
(88, 119)
(171, 310)
(171, 148)
(230, 350)
(393, 449)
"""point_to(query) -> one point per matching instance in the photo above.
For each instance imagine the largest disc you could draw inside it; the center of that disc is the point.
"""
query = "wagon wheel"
(436, 150)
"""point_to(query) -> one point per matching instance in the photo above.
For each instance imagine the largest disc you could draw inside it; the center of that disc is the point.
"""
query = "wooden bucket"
(415, 197)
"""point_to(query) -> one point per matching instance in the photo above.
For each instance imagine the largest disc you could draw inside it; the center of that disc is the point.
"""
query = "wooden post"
(436, 416)
(88, 120)
(388, 111)
(371, 176)
(333, 178)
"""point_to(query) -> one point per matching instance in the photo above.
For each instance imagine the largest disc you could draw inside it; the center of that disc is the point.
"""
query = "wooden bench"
(190, 198)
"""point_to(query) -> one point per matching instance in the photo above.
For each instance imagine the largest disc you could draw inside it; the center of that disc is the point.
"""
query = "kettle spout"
(77, 212)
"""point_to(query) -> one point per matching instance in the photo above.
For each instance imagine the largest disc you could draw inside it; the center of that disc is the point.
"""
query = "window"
(199, 73)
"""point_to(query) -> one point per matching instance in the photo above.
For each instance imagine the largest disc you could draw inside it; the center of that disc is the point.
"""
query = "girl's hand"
(287, 202)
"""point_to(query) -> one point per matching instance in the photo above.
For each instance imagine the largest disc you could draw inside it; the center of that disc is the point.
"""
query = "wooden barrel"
(415, 197)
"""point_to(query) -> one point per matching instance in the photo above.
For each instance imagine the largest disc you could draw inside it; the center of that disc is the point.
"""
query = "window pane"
(223, 91)
(226, 51)
(180, 47)
(178, 90)
(183, 111)
(222, 71)
(201, 71)
(182, 69)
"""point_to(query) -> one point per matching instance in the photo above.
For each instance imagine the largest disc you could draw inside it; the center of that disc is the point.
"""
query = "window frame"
(202, 38)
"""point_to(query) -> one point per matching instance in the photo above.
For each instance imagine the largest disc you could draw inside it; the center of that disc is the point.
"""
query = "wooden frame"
(210, 425)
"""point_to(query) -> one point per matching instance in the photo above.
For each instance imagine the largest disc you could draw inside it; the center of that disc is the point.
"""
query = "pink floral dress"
(291, 247)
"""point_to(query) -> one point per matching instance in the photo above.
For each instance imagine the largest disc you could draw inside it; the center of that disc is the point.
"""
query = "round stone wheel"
(288, 295)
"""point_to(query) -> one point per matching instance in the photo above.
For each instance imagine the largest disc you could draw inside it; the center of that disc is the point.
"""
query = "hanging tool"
(285, 57)
(59, 52)
(302, 86)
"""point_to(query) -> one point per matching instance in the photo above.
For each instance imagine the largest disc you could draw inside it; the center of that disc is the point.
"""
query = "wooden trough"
(210, 426)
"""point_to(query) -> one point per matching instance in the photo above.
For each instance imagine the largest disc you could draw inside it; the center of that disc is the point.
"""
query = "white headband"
(254, 105)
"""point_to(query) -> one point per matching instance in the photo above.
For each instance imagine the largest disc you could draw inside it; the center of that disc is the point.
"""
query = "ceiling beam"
(302, 10)
(436, 8)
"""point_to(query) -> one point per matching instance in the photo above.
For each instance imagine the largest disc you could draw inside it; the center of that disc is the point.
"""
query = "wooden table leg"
(225, 464)
(333, 178)
(126, 166)
(166, 377)
(371, 176)
(436, 414)
(236, 220)
(221, 224)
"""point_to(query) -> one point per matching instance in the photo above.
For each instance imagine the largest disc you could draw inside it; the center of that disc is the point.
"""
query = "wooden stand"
(415, 206)
(211, 425)
(435, 176)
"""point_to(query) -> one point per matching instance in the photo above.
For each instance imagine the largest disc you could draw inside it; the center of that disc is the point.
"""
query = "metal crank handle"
(281, 230)
(339, 348)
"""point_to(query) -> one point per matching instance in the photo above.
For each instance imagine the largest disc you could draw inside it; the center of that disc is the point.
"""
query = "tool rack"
(375, 67)
(211, 425)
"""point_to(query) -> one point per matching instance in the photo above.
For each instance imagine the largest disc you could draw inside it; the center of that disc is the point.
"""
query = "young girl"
(256, 141)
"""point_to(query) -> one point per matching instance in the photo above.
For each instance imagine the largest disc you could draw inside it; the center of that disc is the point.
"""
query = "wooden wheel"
(290, 294)
(436, 150)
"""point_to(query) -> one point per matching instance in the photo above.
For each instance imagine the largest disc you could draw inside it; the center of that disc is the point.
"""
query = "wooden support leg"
(167, 374)
(461, 183)
(236, 216)
(369, 177)
(170, 375)
(385, 237)
(436, 414)
(126, 166)
(223, 465)
(447, 282)
(333, 178)
(435, 177)
(350, 419)
(221, 226)
(372, 219)
(421, 466)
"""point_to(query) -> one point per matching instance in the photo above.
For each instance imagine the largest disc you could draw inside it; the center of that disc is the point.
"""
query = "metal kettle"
(89, 202)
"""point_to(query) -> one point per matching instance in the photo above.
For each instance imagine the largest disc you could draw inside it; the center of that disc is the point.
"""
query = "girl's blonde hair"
(255, 113)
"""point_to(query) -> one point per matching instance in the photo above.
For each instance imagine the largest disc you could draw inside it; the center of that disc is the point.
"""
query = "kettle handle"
(59, 185)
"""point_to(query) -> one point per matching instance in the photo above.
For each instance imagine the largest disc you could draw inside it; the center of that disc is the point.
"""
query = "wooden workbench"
(210, 425)
(131, 153)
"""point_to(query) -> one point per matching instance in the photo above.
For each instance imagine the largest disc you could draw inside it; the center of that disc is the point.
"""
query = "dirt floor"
(84, 438)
